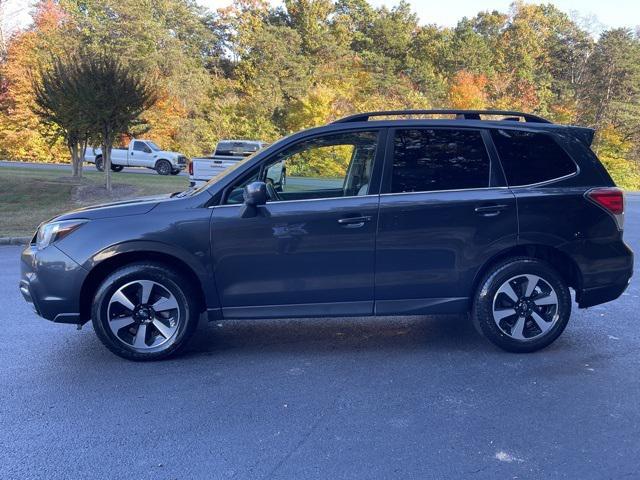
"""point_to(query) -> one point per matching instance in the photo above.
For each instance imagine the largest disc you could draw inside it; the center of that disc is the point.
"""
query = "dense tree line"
(257, 71)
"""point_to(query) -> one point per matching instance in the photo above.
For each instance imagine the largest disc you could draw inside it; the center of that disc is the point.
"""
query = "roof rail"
(460, 115)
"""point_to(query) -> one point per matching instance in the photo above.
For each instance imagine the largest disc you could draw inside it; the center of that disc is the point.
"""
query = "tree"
(113, 98)
(22, 135)
(56, 92)
(468, 91)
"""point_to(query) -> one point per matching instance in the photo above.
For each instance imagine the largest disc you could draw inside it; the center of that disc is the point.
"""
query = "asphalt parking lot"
(327, 398)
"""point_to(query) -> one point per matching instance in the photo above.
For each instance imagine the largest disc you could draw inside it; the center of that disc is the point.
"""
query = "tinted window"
(140, 147)
(237, 149)
(529, 157)
(439, 159)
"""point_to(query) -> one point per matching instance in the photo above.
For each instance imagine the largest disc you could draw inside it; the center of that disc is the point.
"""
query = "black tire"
(163, 167)
(175, 172)
(100, 163)
(534, 338)
(183, 292)
(117, 168)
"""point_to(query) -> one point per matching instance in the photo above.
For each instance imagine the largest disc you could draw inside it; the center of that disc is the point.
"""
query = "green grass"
(29, 196)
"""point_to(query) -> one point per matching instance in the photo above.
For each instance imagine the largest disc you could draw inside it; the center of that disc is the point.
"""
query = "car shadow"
(445, 333)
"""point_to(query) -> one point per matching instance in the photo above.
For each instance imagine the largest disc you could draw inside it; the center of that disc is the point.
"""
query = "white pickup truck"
(139, 153)
(226, 154)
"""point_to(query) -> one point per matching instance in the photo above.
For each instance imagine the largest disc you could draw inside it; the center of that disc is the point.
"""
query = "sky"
(609, 13)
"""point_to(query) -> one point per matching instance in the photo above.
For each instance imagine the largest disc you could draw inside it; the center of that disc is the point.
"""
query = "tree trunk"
(74, 161)
(106, 157)
(72, 153)
(83, 150)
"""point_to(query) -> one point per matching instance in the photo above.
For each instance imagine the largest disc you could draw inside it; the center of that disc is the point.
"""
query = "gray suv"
(490, 212)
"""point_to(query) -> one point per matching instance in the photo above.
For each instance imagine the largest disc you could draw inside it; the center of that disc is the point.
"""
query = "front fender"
(175, 229)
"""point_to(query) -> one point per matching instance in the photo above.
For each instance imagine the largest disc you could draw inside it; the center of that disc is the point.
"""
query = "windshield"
(153, 146)
(229, 170)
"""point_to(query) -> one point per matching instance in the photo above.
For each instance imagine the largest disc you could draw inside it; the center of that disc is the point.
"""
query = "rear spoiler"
(583, 134)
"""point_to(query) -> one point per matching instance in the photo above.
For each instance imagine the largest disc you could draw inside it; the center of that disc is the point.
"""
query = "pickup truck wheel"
(100, 164)
(163, 167)
(145, 311)
(522, 305)
(117, 168)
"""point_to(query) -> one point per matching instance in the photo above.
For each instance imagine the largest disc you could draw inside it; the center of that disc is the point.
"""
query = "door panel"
(431, 245)
(141, 156)
(445, 211)
(296, 258)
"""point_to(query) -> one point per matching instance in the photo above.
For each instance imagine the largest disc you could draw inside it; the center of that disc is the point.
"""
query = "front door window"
(329, 166)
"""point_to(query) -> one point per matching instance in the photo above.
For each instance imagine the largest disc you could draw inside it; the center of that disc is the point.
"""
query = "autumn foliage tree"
(57, 98)
(468, 91)
(261, 71)
(113, 98)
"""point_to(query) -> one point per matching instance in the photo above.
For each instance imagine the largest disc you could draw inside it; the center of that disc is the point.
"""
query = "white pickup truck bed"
(227, 153)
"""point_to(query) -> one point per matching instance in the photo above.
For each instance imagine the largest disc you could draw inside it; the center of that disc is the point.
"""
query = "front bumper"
(50, 282)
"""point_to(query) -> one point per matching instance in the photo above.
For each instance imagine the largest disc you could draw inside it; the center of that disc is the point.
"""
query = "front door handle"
(490, 210)
(354, 222)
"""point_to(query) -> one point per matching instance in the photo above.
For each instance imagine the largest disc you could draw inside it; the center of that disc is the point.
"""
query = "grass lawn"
(29, 196)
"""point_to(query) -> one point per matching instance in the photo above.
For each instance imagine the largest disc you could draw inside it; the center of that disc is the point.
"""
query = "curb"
(14, 240)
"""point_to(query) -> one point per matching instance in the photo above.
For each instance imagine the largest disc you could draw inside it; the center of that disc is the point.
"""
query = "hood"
(167, 154)
(123, 208)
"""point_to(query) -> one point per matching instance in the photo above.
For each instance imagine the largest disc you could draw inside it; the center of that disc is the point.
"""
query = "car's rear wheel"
(116, 168)
(100, 164)
(163, 167)
(145, 311)
(522, 305)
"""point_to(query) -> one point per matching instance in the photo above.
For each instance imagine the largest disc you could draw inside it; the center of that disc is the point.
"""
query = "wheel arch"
(556, 258)
(105, 267)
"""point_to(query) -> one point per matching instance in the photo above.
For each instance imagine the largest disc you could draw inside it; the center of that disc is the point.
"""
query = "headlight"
(53, 231)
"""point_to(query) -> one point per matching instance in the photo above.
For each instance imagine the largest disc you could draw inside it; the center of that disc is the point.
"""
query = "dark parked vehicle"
(490, 212)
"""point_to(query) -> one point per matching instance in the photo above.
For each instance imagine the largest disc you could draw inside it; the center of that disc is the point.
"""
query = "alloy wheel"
(143, 315)
(525, 307)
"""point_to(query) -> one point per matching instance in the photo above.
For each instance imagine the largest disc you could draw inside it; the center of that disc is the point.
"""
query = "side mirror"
(255, 194)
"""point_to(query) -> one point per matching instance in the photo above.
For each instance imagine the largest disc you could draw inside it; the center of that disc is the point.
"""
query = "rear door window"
(427, 160)
(531, 157)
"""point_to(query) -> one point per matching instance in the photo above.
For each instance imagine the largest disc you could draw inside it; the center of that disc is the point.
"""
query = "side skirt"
(422, 306)
(419, 306)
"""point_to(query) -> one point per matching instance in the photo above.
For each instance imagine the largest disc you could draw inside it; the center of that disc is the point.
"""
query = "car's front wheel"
(145, 311)
(163, 167)
(522, 305)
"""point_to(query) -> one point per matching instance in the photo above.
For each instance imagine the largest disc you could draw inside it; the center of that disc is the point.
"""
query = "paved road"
(327, 399)
(67, 168)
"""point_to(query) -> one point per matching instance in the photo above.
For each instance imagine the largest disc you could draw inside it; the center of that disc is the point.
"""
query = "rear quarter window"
(529, 157)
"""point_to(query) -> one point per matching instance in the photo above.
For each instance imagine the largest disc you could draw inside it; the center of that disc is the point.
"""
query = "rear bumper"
(50, 282)
(595, 296)
(605, 276)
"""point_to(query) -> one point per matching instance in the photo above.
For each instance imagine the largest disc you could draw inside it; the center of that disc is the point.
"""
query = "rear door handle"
(354, 222)
(490, 210)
